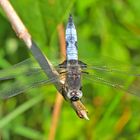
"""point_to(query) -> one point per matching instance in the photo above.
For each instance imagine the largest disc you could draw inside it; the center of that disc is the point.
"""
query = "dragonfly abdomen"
(71, 41)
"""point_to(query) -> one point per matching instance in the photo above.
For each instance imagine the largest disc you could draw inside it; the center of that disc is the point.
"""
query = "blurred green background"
(109, 28)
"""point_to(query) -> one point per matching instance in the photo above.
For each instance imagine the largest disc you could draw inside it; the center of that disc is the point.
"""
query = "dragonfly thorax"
(73, 75)
(73, 80)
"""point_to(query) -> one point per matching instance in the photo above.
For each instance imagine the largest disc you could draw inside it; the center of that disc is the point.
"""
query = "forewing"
(22, 83)
(127, 83)
(21, 77)
(110, 65)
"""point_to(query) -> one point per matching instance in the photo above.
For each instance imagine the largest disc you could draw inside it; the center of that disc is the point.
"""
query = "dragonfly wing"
(27, 66)
(25, 80)
(122, 70)
(129, 84)
(110, 65)
(23, 67)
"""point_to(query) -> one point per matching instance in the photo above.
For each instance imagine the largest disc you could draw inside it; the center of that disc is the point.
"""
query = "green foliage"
(108, 28)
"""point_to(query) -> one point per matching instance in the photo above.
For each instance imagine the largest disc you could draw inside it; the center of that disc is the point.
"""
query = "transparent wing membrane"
(128, 84)
(114, 73)
(22, 83)
(110, 65)
(23, 67)
(124, 70)
(21, 77)
(28, 66)
(28, 74)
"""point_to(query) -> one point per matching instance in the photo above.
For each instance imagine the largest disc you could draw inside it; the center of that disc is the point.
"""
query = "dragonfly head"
(74, 95)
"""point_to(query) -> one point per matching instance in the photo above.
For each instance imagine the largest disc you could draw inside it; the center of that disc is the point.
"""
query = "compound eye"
(72, 93)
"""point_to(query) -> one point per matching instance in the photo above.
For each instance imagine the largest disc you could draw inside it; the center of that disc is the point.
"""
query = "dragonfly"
(28, 74)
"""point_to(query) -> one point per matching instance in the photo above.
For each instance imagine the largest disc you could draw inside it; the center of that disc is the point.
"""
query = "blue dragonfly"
(28, 74)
